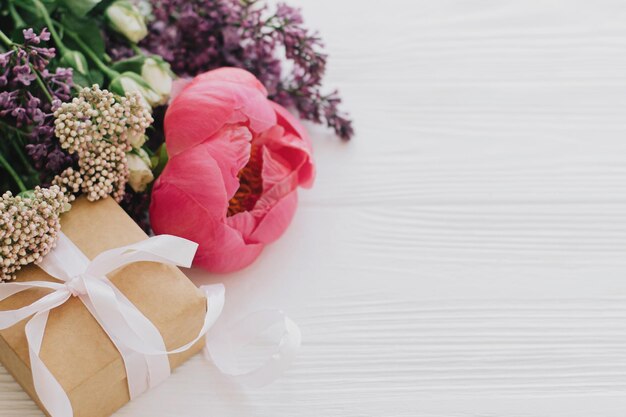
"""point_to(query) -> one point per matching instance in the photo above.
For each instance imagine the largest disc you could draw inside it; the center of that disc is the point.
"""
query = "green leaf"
(159, 160)
(87, 30)
(96, 77)
(76, 60)
(80, 7)
(133, 64)
(80, 80)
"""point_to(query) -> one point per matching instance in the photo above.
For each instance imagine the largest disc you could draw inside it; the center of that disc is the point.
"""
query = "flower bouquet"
(87, 105)
(181, 112)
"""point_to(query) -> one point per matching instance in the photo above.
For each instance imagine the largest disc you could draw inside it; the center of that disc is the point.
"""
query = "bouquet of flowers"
(86, 108)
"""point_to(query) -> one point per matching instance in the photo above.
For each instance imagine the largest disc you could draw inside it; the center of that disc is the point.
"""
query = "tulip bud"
(76, 60)
(130, 82)
(145, 8)
(125, 18)
(158, 76)
(139, 168)
(137, 140)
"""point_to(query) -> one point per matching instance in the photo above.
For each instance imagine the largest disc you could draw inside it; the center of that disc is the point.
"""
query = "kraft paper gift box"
(75, 348)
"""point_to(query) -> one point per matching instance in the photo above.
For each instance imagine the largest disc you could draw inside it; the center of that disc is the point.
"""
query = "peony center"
(250, 184)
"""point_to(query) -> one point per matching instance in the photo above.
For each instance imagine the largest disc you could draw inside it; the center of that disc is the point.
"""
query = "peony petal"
(231, 149)
(231, 258)
(258, 111)
(298, 149)
(178, 85)
(293, 125)
(221, 248)
(189, 200)
(275, 170)
(196, 173)
(248, 100)
(194, 116)
(292, 149)
(234, 75)
(243, 222)
(249, 93)
(276, 220)
(174, 211)
(212, 100)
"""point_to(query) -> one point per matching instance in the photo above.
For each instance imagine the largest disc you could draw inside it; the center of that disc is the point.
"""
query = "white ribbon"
(221, 347)
(139, 342)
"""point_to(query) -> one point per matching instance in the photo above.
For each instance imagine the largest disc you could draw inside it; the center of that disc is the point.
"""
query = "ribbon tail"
(215, 297)
(165, 249)
(50, 392)
(10, 317)
(143, 371)
(123, 320)
(222, 346)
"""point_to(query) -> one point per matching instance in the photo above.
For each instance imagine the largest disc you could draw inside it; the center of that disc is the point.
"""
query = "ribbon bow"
(139, 342)
(137, 339)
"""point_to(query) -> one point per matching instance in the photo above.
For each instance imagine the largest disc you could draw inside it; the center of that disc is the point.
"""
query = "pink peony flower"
(236, 161)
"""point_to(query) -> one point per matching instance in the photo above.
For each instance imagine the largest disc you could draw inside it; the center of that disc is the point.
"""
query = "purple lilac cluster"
(196, 36)
(25, 104)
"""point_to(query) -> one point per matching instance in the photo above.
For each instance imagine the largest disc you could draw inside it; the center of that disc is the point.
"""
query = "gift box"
(76, 349)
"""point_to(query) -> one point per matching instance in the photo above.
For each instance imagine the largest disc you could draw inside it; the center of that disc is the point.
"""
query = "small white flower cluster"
(99, 126)
(29, 227)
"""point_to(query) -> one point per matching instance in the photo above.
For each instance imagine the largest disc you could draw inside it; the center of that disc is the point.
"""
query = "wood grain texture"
(465, 255)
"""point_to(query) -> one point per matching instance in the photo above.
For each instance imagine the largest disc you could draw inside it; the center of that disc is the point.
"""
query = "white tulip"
(158, 77)
(137, 140)
(140, 172)
(125, 18)
(133, 83)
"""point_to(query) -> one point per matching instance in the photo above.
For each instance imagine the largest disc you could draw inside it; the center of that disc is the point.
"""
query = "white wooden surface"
(465, 255)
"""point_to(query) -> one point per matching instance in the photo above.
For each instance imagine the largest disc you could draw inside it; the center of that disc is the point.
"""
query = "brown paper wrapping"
(75, 348)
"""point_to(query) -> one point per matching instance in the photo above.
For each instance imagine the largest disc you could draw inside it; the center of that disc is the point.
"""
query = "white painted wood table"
(465, 255)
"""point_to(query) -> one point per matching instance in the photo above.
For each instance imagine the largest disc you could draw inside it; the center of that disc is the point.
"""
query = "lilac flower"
(5, 57)
(206, 34)
(30, 37)
(23, 74)
(26, 106)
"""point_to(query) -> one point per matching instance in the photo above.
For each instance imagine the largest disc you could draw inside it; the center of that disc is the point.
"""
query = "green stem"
(5, 39)
(19, 22)
(12, 128)
(46, 17)
(21, 5)
(20, 152)
(42, 84)
(136, 49)
(92, 55)
(17, 142)
(12, 172)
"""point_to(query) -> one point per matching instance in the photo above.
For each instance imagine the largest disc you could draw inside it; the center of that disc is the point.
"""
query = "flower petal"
(231, 149)
(178, 85)
(277, 219)
(293, 125)
(275, 170)
(195, 115)
(233, 257)
(212, 100)
(291, 148)
(187, 171)
(183, 208)
(234, 75)
(244, 222)
(221, 248)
